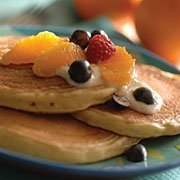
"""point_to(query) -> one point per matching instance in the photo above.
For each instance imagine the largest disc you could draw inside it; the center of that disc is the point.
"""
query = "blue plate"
(163, 152)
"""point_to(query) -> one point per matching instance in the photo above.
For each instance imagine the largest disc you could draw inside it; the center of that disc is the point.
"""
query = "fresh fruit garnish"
(80, 71)
(121, 101)
(98, 32)
(100, 48)
(80, 38)
(27, 49)
(144, 95)
(137, 153)
(118, 69)
(57, 56)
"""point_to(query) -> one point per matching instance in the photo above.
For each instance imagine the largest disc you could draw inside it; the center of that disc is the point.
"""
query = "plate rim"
(75, 169)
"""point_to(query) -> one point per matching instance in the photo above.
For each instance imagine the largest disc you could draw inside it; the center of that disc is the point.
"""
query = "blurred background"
(154, 24)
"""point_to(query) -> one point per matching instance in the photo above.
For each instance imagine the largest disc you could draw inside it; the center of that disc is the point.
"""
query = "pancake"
(134, 124)
(58, 137)
(22, 90)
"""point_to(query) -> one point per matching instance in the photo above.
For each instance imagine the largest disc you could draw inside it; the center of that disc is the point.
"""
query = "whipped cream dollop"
(139, 106)
(95, 79)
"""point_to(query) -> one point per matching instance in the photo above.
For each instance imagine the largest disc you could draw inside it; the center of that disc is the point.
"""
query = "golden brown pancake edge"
(131, 123)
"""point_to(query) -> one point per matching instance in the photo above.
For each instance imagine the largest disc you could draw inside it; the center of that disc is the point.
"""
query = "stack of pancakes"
(33, 119)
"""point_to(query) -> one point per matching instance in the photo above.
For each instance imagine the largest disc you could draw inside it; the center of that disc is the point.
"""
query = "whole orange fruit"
(120, 12)
(158, 26)
(89, 9)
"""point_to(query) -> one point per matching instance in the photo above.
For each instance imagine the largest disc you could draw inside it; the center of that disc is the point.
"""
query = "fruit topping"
(57, 56)
(100, 48)
(80, 71)
(118, 70)
(50, 53)
(121, 101)
(137, 153)
(80, 38)
(100, 32)
(27, 49)
(144, 95)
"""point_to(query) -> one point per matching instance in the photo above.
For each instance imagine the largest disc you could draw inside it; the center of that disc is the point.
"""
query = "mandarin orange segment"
(59, 55)
(27, 49)
(118, 69)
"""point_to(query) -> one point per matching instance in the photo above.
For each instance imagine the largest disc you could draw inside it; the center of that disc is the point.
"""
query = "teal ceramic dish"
(163, 152)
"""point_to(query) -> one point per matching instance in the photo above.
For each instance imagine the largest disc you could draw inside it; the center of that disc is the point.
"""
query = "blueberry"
(136, 153)
(120, 102)
(81, 38)
(144, 95)
(80, 71)
(96, 32)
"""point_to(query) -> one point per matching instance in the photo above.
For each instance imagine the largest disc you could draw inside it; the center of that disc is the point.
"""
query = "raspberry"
(100, 48)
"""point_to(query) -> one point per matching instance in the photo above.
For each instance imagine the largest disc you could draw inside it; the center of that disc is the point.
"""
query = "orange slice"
(118, 69)
(27, 49)
(59, 55)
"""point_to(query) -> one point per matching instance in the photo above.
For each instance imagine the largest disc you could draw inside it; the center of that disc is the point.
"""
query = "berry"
(100, 48)
(100, 32)
(120, 101)
(137, 153)
(144, 95)
(80, 71)
(80, 38)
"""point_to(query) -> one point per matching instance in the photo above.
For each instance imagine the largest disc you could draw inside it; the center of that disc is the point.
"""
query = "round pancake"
(58, 137)
(22, 90)
(131, 123)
